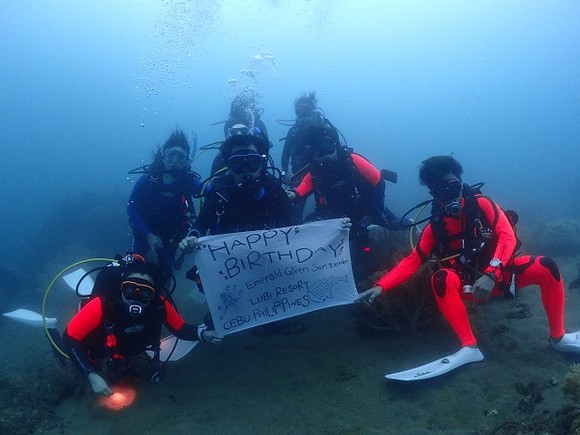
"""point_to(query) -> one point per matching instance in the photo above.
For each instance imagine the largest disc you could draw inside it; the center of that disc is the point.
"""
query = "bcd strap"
(475, 228)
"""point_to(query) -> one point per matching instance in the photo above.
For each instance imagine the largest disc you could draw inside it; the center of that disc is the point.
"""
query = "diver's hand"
(99, 385)
(291, 194)
(482, 287)
(211, 336)
(155, 242)
(189, 244)
(286, 178)
(371, 294)
(345, 223)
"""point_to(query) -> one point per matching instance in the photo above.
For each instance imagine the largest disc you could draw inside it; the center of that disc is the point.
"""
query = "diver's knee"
(439, 282)
(551, 265)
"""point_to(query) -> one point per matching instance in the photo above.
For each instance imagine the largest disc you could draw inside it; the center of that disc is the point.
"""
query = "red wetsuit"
(351, 187)
(363, 167)
(86, 338)
(447, 281)
(91, 318)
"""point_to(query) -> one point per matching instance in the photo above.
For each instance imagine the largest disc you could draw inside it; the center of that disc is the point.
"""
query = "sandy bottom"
(329, 379)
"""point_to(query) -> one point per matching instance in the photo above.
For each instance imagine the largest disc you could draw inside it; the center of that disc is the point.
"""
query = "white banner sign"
(258, 277)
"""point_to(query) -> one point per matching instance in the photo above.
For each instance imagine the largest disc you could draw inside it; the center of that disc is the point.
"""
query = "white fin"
(30, 318)
(465, 355)
(183, 348)
(72, 279)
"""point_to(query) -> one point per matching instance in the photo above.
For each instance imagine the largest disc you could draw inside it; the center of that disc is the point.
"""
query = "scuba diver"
(243, 110)
(296, 152)
(123, 319)
(244, 119)
(473, 244)
(344, 184)
(246, 197)
(161, 207)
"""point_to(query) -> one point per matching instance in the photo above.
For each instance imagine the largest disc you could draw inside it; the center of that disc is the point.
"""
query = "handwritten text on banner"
(257, 277)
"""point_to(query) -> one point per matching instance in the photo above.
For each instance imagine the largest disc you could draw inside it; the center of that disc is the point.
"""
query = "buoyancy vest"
(122, 333)
(476, 238)
(168, 208)
(258, 207)
(475, 244)
(134, 334)
(341, 190)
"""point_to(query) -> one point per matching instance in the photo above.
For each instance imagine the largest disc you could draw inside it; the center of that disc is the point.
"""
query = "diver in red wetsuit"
(123, 320)
(343, 183)
(474, 245)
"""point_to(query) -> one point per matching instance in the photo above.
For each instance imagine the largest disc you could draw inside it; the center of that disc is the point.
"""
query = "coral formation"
(568, 420)
(571, 383)
(531, 395)
(28, 402)
(411, 306)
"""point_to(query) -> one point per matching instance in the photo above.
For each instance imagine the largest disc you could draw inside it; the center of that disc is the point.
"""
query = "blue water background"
(88, 89)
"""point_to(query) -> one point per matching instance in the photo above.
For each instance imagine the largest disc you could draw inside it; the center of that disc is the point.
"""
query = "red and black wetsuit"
(447, 281)
(351, 187)
(104, 326)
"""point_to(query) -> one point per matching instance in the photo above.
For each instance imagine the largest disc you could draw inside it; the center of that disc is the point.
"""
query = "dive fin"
(182, 348)
(30, 318)
(440, 366)
(73, 278)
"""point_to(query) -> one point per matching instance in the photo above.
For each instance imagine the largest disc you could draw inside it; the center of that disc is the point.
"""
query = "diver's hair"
(243, 141)
(435, 168)
(244, 101)
(177, 139)
(150, 269)
(157, 162)
(306, 99)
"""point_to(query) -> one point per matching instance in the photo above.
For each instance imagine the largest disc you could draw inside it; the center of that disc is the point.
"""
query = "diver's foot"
(469, 354)
(569, 342)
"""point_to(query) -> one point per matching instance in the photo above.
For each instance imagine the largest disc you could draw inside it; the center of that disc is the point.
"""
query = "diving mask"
(304, 110)
(239, 130)
(324, 147)
(138, 290)
(447, 191)
(175, 156)
(247, 163)
(449, 194)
